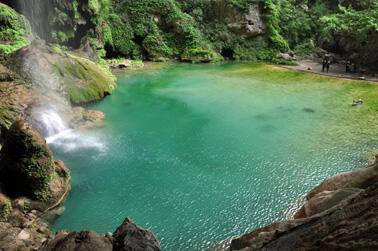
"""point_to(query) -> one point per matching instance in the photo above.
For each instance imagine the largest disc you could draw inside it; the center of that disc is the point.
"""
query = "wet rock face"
(129, 237)
(26, 162)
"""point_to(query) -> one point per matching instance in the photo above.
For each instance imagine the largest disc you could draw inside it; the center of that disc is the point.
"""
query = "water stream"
(201, 153)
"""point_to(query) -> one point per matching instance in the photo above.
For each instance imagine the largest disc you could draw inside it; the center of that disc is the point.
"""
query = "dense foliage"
(14, 29)
(199, 30)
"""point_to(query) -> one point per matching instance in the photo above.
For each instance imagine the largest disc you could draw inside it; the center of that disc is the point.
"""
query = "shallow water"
(201, 153)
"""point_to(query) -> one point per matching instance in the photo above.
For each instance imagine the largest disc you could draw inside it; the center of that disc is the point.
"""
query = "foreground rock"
(340, 214)
(128, 236)
(33, 184)
(28, 168)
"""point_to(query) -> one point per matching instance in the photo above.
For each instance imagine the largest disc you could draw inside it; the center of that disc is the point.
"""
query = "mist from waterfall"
(52, 112)
(61, 135)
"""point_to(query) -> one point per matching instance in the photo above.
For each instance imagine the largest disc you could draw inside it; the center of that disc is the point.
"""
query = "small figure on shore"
(326, 62)
(359, 102)
(348, 68)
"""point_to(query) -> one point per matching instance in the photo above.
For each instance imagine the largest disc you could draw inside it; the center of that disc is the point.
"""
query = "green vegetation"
(92, 82)
(189, 30)
(14, 29)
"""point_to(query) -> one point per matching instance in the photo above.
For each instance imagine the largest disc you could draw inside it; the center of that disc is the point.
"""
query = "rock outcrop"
(246, 24)
(340, 214)
(84, 240)
(74, 78)
(28, 168)
(127, 237)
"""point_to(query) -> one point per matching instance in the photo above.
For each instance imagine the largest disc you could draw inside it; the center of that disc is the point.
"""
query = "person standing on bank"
(326, 62)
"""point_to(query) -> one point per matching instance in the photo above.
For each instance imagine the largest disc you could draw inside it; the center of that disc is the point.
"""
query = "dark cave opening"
(227, 53)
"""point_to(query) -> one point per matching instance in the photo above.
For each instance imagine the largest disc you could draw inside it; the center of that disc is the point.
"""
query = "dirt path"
(335, 70)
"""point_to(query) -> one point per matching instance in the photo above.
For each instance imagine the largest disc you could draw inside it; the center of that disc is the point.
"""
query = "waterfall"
(36, 11)
(51, 113)
(52, 122)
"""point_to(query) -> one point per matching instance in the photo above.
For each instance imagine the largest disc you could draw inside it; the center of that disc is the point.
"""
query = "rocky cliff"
(339, 214)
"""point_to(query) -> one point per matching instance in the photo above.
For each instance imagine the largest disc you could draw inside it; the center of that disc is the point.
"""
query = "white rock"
(23, 235)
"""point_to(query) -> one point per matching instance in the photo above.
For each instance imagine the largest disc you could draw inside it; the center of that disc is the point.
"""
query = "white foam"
(52, 122)
(60, 135)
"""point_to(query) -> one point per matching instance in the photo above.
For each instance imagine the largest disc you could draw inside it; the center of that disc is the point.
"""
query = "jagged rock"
(75, 241)
(129, 236)
(325, 200)
(360, 178)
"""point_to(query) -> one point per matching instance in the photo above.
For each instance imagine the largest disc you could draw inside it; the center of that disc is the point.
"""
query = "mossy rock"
(85, 82)
(201, 56)
(27, 162)
(14, 30)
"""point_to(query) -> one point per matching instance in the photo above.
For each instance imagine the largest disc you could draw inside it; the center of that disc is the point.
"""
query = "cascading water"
(51, 113)
(36, 11)
(52, 122)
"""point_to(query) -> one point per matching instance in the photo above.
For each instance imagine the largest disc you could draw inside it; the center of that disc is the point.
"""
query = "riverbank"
(335, 70)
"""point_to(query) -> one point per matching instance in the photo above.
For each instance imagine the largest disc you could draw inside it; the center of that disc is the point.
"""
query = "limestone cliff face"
(340, 214)
(248, 24)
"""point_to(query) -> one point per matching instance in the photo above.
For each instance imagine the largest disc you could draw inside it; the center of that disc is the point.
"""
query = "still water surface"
(201, 153)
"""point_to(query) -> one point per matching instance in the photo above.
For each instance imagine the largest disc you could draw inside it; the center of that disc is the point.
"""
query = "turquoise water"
(201, 153)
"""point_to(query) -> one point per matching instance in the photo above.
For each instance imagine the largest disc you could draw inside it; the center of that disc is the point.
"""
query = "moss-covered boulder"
(14, 30)
(78, 79)
(27, 166)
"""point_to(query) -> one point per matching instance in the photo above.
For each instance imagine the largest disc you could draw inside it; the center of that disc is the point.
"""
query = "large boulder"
(130, 236)
(27, 166)
(127, 237)
(79, 241)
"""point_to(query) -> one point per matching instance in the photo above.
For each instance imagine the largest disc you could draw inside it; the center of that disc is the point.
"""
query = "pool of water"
(201, 153)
